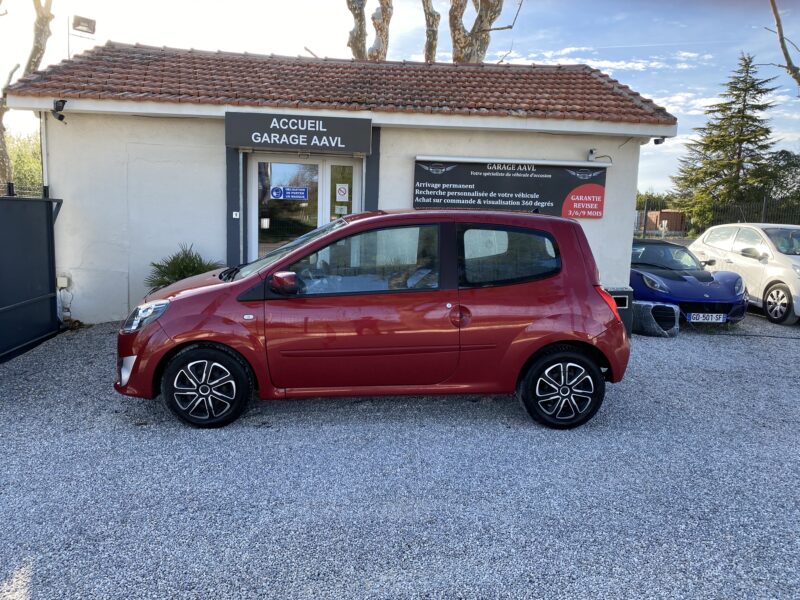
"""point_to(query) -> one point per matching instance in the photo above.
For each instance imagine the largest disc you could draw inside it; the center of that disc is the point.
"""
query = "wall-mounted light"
(84, 24)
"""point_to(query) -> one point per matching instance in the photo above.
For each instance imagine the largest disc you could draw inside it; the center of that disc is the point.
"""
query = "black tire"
(779, 305)
(559, 406)
(206, 387)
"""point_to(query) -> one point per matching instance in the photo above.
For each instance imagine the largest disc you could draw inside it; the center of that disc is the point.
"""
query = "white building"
(234, 153)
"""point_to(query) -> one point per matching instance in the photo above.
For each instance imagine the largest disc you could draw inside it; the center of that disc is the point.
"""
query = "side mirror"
(751, 253)
(708, 263)
(284, 283)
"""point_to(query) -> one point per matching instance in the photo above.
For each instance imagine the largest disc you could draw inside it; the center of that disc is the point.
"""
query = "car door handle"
(729, 261)
(460, 316)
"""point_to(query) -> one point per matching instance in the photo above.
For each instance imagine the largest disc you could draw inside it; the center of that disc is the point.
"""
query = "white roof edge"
(381, 119)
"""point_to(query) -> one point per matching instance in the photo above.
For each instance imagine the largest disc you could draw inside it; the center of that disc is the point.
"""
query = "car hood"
(690, 283)
(188, 286)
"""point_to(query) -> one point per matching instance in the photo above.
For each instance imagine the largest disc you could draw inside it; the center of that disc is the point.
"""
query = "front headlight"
(738, 289)
(144, 314)
(654, 284)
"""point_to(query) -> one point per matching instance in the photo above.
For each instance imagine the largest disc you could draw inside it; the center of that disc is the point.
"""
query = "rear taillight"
(612, 304)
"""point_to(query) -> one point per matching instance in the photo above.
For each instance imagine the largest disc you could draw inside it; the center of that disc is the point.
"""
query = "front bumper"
(138, 356)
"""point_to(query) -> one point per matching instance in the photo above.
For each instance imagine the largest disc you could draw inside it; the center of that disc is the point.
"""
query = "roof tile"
(143, 73)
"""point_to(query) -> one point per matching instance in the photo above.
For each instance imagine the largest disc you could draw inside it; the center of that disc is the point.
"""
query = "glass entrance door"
(289, 196)
(288, 202)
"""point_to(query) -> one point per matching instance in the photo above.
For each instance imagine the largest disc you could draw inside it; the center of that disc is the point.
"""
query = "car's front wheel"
(778, 304)
(206, 387)
(563, 388)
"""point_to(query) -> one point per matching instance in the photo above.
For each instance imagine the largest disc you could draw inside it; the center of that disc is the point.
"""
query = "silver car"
(766, 256)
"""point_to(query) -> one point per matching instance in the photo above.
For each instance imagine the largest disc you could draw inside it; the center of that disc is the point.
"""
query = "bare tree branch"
(510, 50)
(793, 70)
(796, 47)
(380, 20)
(470, 46)
(358, 34)
(41, 33)
(513, 22)
(431, 30)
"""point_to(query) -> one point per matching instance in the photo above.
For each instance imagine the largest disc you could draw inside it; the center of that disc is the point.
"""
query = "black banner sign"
(298, 133)
(577, 192)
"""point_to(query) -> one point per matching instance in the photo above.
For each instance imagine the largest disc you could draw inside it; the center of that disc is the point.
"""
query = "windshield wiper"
(229, 273)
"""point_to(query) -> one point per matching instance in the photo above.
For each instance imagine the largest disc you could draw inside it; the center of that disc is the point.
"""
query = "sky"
(678, 53)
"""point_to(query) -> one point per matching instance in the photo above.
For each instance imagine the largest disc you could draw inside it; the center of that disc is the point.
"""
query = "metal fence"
(666, 223)
(27, 270)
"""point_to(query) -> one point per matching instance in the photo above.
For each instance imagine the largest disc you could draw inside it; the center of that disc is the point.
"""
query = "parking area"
(683, 485)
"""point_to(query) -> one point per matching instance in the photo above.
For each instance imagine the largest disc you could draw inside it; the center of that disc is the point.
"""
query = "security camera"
(57, 115)
(58, 105)
(659, 141)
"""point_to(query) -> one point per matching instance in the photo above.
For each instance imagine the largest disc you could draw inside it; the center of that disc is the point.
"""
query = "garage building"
(237, 153)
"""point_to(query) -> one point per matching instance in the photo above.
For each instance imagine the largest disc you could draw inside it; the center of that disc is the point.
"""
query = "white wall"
(610, 237)
(133, 189)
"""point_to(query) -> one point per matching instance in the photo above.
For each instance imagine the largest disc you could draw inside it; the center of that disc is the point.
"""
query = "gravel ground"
(683, 485)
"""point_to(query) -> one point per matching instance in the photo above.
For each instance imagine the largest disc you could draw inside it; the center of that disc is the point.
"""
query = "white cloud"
(686, 103)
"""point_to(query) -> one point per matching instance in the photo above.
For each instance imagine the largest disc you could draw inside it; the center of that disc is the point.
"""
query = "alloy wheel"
(204, 389)
(564, 390)
(777, 303)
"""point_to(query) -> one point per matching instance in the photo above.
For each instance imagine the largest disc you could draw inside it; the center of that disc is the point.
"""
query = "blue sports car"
(670, 284)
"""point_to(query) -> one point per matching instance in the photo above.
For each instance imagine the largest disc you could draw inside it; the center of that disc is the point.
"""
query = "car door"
(716, 245)
(372, 310)
(506, 293)
(749, 267)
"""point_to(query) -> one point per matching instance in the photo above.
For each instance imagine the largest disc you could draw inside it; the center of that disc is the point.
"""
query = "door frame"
(323, 188)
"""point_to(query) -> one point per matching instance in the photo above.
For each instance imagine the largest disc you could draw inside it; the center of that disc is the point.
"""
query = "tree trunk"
(431, 30)
(470, 46)
(358, 34)
(793, 70)
(41, 33)
(380, 20)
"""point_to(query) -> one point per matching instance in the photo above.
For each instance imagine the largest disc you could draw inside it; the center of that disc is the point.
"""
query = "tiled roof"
(143, 73)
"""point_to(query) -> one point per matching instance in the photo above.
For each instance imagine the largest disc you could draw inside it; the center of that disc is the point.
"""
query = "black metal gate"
(27, 271)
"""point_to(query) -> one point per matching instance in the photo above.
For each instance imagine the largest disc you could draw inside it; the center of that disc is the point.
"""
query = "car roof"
(490, 216)
(657, 242)
(759, 225)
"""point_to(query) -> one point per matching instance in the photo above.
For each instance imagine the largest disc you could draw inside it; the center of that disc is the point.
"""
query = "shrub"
(184, 263)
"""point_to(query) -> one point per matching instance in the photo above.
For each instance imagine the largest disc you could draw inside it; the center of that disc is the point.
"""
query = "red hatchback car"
(426, 302)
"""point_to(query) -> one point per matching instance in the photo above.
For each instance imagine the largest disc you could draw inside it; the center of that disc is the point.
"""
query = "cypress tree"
(729, 162)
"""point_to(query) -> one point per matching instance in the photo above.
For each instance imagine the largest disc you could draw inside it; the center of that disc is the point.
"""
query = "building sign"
(301, 133)
(577, 192)
(284, 192)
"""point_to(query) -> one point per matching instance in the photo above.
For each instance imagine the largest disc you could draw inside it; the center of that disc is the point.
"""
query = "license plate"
(706, 317)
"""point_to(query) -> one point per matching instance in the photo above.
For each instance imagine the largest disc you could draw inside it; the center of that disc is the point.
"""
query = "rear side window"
(749, 238)
(500, 255)
(720, 238)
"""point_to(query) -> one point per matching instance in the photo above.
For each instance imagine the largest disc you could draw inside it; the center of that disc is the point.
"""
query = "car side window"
(501, 255)
(720, 237)
(749, 238)
(390, 259)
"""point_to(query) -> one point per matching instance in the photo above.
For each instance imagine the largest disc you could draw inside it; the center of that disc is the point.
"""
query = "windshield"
(786, 240)
(664, 256)
(278, 253)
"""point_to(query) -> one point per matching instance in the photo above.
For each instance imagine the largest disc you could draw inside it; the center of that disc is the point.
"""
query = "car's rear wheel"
(778, 304)
(563, 388)
(206, 387)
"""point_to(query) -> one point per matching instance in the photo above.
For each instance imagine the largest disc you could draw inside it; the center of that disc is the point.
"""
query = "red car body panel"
(446, 340)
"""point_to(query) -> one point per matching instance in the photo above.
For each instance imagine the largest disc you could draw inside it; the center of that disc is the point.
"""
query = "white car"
(766, 256)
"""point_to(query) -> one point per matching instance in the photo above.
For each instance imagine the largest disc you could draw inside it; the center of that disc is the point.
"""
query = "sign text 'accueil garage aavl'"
(568, 191)
(298, 133)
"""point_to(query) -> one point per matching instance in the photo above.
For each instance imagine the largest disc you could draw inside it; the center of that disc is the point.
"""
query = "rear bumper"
(615, 345)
